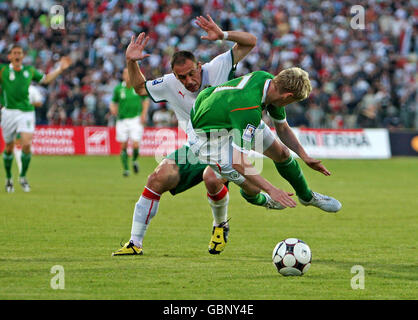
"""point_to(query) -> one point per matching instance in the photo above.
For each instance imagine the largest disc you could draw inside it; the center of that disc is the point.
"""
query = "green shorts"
(190, 169)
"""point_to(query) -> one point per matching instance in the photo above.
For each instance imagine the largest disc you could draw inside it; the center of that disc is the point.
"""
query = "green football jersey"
(235, 105)
(129, 102)
(15, 86)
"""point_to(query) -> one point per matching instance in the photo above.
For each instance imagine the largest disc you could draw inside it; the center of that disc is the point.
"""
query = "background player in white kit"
(179, 171)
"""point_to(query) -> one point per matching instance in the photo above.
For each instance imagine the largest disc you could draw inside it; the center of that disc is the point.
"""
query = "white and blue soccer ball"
(292, 257)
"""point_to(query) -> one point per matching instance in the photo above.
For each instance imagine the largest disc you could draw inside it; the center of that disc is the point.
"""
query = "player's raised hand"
(283, 197)
(136, 47)
(317, 165)
(212, 29)
(65, 62)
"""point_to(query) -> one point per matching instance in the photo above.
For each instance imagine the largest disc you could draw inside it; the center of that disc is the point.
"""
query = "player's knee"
(26, 148)
(212, 182)
(124, 145)
(284, 154)
(165, 177)
(8, 148)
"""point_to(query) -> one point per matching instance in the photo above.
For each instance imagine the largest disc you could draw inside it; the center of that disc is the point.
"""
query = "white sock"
(145, 209)
(219, 204)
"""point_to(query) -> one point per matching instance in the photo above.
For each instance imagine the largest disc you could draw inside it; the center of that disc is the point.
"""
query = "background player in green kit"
(131, 110)
(18, 114)
(233, 111)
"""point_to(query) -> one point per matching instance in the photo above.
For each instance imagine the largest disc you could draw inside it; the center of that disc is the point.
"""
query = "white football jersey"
(181, 100)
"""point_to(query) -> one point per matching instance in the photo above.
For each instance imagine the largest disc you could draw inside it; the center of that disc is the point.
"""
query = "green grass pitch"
(80, 209)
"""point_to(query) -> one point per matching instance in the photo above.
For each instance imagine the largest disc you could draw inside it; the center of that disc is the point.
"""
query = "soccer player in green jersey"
(224, 124)
(131, 111)
(18, 114)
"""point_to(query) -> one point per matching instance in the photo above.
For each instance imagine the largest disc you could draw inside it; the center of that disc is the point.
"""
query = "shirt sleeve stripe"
(150, 95)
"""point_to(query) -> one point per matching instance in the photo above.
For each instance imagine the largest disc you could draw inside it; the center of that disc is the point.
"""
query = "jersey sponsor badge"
(157, 81)
(26, 73)
(249, 133)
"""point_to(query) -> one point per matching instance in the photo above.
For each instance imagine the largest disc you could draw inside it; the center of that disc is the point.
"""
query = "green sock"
(135, 153)
(291, 171)
(25, 163)
(8, 160)
(259, 199)
(124, 158)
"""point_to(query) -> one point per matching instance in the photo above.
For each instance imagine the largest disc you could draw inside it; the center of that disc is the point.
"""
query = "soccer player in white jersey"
(181, 170)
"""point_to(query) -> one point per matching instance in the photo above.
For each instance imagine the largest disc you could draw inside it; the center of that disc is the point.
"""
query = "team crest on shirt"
(249, 133)
(157, 81)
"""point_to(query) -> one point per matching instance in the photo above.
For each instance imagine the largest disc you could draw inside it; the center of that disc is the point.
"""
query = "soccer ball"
(292, 257)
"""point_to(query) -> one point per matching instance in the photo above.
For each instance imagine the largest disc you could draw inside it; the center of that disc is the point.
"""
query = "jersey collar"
(203, 79)
(266, 87)
(11, 67)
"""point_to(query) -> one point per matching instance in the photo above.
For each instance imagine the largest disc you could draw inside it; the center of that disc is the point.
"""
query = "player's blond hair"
(294, 80)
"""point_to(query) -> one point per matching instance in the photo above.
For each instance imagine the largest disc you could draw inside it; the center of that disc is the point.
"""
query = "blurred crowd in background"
(362, 77)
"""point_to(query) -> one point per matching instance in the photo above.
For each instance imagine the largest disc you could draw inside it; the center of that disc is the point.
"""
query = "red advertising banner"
(158, 142)
(55, 140)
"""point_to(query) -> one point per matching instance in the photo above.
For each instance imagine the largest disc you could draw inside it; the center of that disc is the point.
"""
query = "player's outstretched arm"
(244, 167)
(287, 136)
(245, 41)
(65, 63)
(134, 53)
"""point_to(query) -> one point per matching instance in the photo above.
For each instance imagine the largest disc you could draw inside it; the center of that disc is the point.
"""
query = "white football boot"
(24, 184)
(323, 202)
(9, 186)
(272, 204)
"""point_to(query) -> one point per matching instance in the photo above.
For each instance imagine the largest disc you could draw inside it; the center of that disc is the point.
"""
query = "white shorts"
(130, 128)
(217, 153)
(15, 121)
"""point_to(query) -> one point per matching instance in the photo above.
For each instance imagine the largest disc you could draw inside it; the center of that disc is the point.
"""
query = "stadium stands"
(362, 77)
